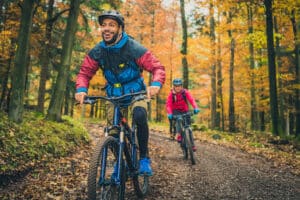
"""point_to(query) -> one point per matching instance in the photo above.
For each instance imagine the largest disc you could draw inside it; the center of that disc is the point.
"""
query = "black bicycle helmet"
(177, 81)
(112, 14)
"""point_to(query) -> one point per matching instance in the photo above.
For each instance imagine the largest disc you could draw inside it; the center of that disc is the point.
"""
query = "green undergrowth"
(23, 146)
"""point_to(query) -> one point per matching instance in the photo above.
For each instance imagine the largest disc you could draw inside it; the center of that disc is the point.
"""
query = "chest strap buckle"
(117, 85)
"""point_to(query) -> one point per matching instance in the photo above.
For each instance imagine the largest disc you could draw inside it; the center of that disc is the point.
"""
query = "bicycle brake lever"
(89, 101)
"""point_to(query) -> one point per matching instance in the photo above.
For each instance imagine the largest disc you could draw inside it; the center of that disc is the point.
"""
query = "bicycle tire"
(184, 145)
(107, 188)
(140, 183)
(173, 131)
(188, 134)
(183, 140)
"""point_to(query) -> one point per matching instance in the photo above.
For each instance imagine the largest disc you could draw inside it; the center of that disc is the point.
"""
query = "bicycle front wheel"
(184, 145)
(102, 180)
(189, 144)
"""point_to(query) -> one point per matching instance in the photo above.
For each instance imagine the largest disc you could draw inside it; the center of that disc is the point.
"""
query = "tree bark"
(253, 103)
(16, 106)
(297, 52)
(276, 125)
(56, 103)
(232, 127)
(213, 68)
(45, 58)
(184, 45)
(220, 122)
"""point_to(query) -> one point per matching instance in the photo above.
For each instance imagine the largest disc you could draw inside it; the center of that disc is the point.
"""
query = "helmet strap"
(114, 39)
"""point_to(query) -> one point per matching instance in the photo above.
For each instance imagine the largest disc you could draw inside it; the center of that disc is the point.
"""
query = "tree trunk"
(282, 107)
(45, 58)
(297, 52)
(232, 127)
(16, 106)
(4, 91)
(184, 46)
(276, 125)
(213, 68)
(56, 103)
(261, 114)
(220, 103)
(253, 103)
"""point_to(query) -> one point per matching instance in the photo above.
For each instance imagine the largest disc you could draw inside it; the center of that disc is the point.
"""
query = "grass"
(23, 146)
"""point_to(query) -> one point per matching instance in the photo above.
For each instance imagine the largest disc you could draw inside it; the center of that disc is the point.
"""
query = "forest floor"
(221, 172)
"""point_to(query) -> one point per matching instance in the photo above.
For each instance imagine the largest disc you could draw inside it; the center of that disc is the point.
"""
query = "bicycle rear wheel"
(140, 183)
(189, 144)
(101, 181)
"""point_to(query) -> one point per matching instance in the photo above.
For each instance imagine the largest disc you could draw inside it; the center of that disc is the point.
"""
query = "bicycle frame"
(120, 123)
(185, 130)
(181, 119)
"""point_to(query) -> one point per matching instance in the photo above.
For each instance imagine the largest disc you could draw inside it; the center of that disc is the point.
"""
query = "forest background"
(239, 58)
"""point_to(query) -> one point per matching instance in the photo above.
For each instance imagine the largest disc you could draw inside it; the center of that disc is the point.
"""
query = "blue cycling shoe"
(145, 167)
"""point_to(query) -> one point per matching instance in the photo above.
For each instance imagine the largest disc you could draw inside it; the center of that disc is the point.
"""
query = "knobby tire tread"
(189, 145)
(93, 167)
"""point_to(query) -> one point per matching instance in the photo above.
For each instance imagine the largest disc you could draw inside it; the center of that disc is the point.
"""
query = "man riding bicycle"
(122, 60)
(177, 103)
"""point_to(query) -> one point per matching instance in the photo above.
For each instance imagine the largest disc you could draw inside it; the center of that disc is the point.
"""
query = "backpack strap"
(183, 95)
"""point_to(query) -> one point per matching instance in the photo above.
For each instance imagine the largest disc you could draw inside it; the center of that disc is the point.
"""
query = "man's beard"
(112, 40)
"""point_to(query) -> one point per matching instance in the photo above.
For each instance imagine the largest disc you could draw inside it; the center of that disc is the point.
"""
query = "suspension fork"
(103, 167)
(116, 123)
(120, 155)
(187, 127)
(179, 124)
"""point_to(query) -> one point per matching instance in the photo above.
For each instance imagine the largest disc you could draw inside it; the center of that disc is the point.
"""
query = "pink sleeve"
(87, 70)
(151, 64)
(190, 98)
(169, 104)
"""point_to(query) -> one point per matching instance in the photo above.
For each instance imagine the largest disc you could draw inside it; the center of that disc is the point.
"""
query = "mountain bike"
(187, 141)
(120, 151)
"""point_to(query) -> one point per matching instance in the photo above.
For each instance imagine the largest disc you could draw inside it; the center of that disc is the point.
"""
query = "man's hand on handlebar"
(152, 91)
(80, 97)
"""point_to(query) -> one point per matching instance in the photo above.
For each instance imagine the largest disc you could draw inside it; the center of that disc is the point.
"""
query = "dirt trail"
(220, 173)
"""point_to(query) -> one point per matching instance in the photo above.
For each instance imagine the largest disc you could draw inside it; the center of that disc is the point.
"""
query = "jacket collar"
(116, 46)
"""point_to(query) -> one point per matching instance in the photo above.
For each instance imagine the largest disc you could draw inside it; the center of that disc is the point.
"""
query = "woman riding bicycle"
(122, 59)
(177, 103)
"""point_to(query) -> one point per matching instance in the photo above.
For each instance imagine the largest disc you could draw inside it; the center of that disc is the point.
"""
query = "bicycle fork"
(116, 179)
(191, 136)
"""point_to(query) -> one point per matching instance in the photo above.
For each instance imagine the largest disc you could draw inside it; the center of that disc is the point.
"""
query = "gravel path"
(220, 173)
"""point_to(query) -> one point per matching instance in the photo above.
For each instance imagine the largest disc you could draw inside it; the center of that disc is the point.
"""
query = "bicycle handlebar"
(177, 116)
(137, 96)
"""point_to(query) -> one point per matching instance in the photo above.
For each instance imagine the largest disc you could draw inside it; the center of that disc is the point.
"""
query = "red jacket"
(179, 102)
